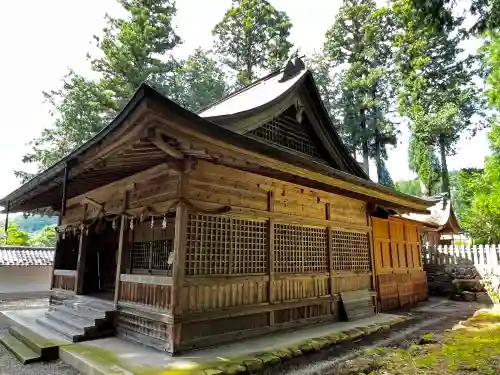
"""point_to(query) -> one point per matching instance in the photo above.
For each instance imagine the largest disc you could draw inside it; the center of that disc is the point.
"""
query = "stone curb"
(256, 362)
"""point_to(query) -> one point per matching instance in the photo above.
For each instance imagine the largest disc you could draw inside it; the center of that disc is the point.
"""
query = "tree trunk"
(378, 157)
(445, 178)
(425, 190)
(364, 143)
(366, 160)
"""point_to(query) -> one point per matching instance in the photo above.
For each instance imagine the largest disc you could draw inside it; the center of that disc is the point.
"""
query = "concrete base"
(117, 356)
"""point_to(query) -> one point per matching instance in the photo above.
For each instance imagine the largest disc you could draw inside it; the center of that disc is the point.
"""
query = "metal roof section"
(257, 95)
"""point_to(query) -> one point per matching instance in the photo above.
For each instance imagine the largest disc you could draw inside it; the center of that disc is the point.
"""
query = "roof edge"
(58, 167)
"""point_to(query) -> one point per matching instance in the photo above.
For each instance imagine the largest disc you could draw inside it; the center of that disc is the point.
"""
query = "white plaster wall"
(24, 279)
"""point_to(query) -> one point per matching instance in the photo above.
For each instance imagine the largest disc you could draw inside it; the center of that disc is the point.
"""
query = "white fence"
(484, 258)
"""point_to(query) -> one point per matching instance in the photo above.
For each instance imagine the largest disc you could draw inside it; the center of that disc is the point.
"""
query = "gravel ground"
(431, 320)
(9, 365)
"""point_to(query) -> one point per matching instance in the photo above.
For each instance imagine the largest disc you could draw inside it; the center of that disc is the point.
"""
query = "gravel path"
(9, 365)
(426, 320)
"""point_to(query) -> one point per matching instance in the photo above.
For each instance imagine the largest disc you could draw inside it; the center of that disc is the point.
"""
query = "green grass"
(472, 347)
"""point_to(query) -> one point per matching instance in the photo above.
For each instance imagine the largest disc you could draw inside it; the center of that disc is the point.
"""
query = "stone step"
(91, 315)
(64, 329)
(88, 306)
(47, 349)
(24, 354)
(70, 320)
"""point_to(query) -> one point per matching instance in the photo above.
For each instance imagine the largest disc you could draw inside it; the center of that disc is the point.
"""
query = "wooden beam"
(64, 193)
(91, 201)
(158, 141)
(123, 223)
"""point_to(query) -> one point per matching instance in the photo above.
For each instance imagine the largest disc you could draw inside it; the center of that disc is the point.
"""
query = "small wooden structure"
(247, 218)
(440, 224)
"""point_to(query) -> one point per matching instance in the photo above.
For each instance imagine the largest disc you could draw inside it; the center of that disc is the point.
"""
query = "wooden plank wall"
(398, 263)
(278, 259)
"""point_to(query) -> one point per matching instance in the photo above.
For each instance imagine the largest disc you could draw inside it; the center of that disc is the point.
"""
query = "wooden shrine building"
(441, 222)
(246, 218)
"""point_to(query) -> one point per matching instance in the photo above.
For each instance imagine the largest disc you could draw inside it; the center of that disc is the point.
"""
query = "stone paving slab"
(117, 356)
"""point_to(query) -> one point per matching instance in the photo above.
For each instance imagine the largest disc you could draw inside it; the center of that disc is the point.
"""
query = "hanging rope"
(83, 227)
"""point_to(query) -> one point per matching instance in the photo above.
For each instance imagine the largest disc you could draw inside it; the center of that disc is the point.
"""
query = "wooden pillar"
(80, 265)
(82, 256)
(62, 212)
(123, 223)
(179, 258)
(329, 239)
(270, 290)
(7, 210)
(372, 261)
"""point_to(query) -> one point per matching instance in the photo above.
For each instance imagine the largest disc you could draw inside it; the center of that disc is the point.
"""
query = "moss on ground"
(471, 347)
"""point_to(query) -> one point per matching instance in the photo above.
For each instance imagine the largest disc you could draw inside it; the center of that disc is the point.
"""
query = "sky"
(41, 40)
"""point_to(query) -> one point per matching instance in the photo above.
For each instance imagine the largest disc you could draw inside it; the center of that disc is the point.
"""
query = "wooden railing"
(151, 291)
(64, 279)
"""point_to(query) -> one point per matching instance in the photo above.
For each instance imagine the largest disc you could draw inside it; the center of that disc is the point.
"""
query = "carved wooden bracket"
(155, 136)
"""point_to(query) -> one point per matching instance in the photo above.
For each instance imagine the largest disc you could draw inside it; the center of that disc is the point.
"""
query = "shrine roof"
(20, 256)
(105, 158)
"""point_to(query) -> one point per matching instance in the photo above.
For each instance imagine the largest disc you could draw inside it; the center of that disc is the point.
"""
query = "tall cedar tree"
(252, 36)
(330, 86)
(359, 43)
(439, 13)
(424, 162)
(133, 50)
(199, 81)
(438, 95)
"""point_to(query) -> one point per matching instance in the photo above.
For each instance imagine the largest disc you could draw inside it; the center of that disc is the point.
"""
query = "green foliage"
(471, 347)
(411, 187)
(438, 14)
(384, 176)
(133, 49)
(462, 190)
(252, 35)
(482, 218)
(492, 61)
(33, 223)
(358, 45)
(438, 95)
(200, 81)
(45, 238)
(15, 236)
(425, 164)
(329, 82)
(136, 49)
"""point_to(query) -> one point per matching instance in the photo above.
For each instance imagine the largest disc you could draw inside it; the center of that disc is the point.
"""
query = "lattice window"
(289, 135)
(151, 248)
(219, 245)
(350, 251)
(249, 246)
(299, 249)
